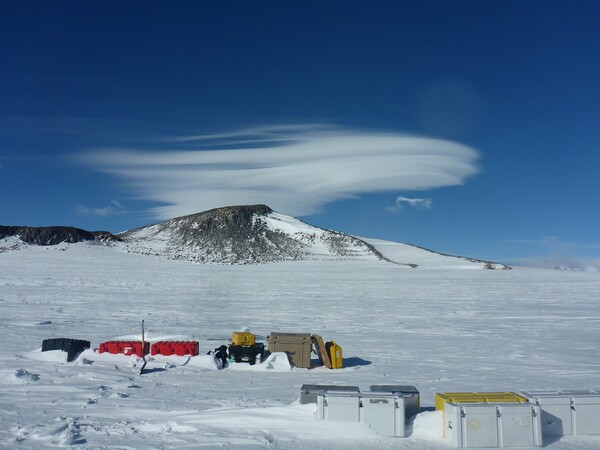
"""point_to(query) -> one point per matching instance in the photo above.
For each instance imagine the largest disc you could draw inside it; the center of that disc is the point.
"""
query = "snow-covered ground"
(439, 328)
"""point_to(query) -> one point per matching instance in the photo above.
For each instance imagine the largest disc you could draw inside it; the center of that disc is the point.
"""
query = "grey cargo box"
(309, 392)
(385, 412)
(567, 412)
(412, 398)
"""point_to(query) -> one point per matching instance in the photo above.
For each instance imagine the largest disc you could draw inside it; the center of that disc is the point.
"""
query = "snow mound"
(285, 423)
(62, 432)
(276, 362)
(11, 243)
(206, 362)
(54, 356)
(429, 426)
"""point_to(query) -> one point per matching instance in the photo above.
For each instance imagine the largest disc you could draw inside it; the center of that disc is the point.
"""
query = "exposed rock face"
(243, 235)
(105, 236)
(53, 235)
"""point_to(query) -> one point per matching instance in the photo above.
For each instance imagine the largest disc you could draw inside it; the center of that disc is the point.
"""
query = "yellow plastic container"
(243, 338)
(477, 397)
(335, 354)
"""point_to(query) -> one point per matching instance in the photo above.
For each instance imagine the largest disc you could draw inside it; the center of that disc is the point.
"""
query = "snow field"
(439, 329)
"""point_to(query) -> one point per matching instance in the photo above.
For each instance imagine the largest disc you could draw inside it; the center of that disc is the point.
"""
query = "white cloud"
(419, 203)
(115, 208)
(295, 169)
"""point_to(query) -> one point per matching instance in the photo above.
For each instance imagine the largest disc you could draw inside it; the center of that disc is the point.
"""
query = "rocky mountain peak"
(241, 235)
(242, 217)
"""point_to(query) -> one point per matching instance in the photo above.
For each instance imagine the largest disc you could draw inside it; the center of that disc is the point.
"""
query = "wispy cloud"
(114, 209)
(418, 203)
(295, 169)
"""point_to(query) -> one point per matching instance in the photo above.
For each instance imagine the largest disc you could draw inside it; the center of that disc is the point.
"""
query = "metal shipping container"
(567, 412)
(487, 425)
(412, 399)
(384, 412)
(309, 392)
(340, 406)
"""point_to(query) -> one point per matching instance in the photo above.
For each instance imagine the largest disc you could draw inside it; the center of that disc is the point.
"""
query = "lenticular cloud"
(294, 169)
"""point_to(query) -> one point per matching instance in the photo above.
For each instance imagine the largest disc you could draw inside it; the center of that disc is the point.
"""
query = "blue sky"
(467, 127)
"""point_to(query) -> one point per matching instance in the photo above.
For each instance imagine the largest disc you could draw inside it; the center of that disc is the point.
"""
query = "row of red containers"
(125, 347)
(179, 348)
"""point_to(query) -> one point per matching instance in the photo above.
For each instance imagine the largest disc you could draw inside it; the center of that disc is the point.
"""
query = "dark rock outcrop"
(241, 235)
(53, 235)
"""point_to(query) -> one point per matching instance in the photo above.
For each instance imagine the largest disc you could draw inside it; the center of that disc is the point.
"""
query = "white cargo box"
(384, 412)
(486, 425)
(341, 406)
(412, 400)
(567, 412)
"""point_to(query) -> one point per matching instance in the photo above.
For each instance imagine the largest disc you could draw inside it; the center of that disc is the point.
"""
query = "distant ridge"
(54, 235)
(243, 234)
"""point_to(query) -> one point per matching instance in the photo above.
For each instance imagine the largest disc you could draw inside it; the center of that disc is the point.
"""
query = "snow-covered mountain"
(250, 234)
(243, 235)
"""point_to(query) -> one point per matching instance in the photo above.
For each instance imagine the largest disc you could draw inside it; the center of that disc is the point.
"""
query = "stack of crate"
(244, 348)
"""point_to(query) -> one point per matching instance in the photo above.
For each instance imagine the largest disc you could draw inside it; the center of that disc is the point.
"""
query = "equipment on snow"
(72, 346)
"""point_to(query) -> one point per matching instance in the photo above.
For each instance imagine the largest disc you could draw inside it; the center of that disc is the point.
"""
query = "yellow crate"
(477, 397)
(335, 354)
(243, 338)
